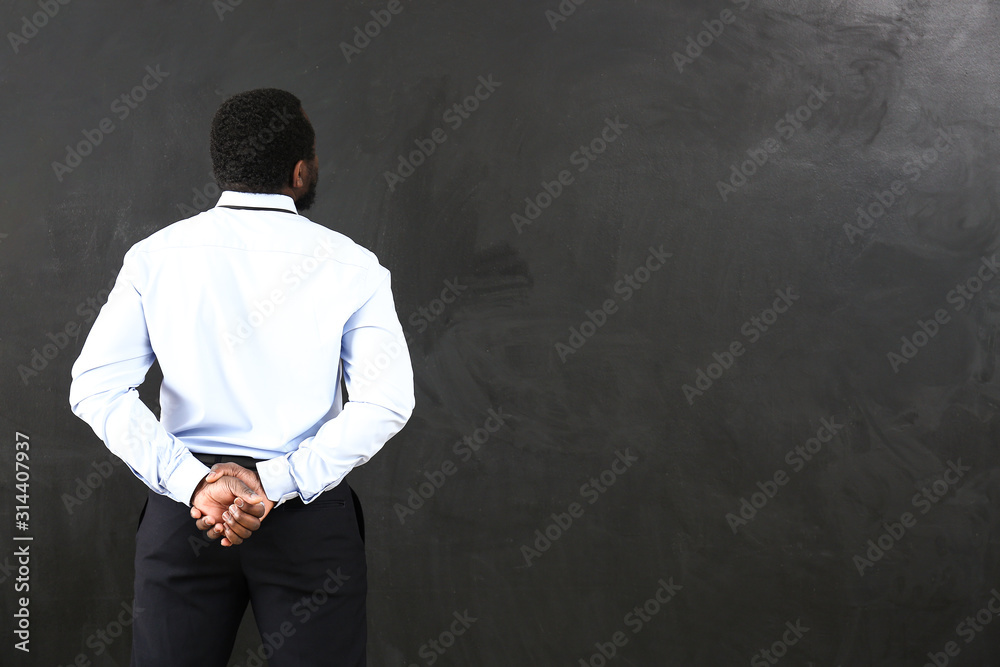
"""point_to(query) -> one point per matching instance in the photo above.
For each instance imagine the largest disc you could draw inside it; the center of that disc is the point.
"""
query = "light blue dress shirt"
(255, 316)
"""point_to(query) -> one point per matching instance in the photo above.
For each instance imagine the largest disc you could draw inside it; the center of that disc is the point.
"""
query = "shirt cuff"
(185, 479)
(276, 478)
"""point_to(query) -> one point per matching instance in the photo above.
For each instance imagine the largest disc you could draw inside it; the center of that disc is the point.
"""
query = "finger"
(205, 523)
(233, 526)
(220, 470)
(256, 509)
(214, 473)
(233, 537)
(195, 513)
(233, 470)
(241, 490)
(243, 519)
(250, 496)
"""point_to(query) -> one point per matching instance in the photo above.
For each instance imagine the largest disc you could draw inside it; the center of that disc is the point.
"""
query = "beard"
(306, 200)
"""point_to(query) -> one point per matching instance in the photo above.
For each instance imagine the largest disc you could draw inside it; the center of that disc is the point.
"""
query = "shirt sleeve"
(114, 361)
(379, 379)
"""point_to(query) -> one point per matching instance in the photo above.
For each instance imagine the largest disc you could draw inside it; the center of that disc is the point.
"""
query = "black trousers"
(303, 571)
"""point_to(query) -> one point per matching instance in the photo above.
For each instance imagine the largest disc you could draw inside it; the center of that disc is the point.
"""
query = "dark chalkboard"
(700, 298)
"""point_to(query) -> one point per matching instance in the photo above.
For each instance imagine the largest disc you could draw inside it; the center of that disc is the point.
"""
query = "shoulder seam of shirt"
(265, 250)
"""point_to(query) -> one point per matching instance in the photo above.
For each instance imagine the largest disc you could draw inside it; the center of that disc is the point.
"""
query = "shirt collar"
(257, 200)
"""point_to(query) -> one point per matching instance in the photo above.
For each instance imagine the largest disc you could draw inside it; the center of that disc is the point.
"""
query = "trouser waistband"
(211, 459)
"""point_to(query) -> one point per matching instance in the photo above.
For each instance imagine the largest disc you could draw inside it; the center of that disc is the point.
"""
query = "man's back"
(254, 313)
(245, 311)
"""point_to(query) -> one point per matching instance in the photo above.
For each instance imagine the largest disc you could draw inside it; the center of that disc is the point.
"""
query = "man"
(256, 315)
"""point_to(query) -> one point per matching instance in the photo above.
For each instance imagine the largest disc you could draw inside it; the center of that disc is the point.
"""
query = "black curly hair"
(257, 138)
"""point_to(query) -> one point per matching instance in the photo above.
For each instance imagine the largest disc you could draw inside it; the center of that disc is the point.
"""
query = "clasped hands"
(229, 503)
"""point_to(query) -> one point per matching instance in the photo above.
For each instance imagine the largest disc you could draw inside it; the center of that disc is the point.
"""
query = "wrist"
(197, 489)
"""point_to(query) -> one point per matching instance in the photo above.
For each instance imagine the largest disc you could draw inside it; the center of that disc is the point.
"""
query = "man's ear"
(300, 174)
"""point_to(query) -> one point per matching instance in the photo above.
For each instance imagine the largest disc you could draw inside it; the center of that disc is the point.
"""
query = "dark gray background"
(898, 73)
